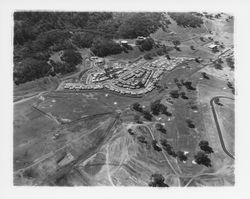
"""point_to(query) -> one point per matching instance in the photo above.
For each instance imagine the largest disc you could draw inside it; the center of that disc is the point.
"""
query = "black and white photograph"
(109, 99)
(124, 99)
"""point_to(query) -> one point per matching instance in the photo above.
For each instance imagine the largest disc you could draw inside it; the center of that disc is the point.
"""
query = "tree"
(30, 69)
(202, 39)
(155, 107)
(190, 123)
(160, 127)
(217, 101)
(183, 95)
(181, 155)
(186, 19)
(203, 159)
(168, 148)
(142, 139)
(139, 24)
(204, 75)
(71, 57)
(174, 94)
(137, 107)
(157, 180)
(103, 47)
(82, 39)
(131, 132)
(147, 44)
(176, 42)
(188, 85)
(204, 145)
(230, 62)
(147, 115)
(155, 146)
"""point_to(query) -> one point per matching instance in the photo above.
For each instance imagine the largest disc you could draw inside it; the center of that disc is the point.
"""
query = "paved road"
(218, 126)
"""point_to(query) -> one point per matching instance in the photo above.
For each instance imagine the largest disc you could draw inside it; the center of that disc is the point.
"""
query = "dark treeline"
(186, 19)
(38, 34)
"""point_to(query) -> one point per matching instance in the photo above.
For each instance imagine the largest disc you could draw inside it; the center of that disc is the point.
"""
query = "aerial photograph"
(123, 99)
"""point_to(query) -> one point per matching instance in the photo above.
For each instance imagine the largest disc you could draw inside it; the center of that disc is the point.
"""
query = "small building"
(93, 58)
(213, 46)
(139, 40)
(99, 61)
(124, 42)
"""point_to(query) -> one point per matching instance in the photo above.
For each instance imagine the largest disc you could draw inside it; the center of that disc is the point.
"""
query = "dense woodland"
(38, 34)
(186, 19)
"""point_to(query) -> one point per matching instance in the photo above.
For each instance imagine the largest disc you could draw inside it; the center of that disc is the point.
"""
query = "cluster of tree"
(131, 132)
(103, 47)
(160, 51)
(176, 42)
(188, 85)
(137, 107)
(158, 108)
(204, 75)
(186, 19)
(71, 57)
(204, 146)
(61, 67)
(183, 95)
(142, 139)
(155, 146)
(202, 159)
(30, 69)
(83, 39)
(181, 155)
(160, 127)
(176, 94)
(139, 24)
(168, 148)
(190, 123)
(147, 44)
(38, 34)
(230, 62)
(217, 101)
(157, 180)
(146, 114)
(177, 82)
(215, 49)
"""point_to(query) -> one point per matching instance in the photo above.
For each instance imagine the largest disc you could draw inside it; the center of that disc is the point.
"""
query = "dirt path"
(218, 125)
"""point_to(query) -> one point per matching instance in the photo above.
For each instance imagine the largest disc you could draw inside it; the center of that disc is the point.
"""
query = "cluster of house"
(136, 81)
(80, 86)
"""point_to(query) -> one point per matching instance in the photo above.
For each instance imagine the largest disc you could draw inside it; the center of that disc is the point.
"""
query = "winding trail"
(218, 126)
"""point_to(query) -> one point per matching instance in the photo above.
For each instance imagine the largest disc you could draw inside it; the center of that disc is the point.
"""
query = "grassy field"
(227, 121)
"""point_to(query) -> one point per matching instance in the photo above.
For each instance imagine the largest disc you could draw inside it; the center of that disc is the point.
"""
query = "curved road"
(218, 126)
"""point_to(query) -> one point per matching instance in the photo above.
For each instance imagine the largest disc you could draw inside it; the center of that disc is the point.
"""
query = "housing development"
(123, 99)
(138, 78)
